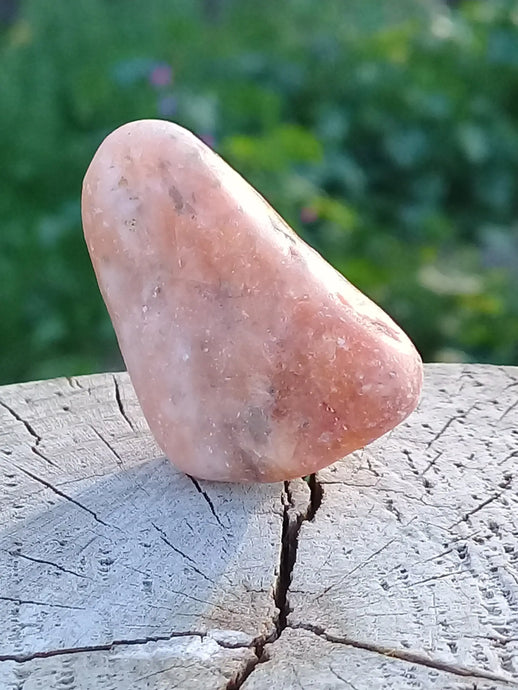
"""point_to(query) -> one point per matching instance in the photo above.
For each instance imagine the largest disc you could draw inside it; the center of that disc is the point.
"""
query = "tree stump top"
(397, 567)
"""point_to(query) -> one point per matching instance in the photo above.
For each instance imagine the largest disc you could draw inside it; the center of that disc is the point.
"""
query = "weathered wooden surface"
(413, 551)
(117, 571)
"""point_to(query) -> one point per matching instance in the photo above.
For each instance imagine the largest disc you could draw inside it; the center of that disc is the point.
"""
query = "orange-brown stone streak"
(252, 358)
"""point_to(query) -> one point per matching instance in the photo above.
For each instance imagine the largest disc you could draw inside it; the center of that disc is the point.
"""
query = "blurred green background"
(385, 132)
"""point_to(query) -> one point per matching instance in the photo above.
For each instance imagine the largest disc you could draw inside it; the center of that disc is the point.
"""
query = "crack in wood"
(190, 560)
(370, 467)
(356, 568)
(211, 604)
(62, 494)
(158, 673)
(431, 463)
(291, 525)
(455, 418)
(34, 602)
(118, 458)
(290, 540)
(341, 678)
(509, 410)
(24, 658)
(20, 419)
(74, 383)
(482, 505)
(434, 578)
(17, 554)
(38, 452)
(120, 405)
(514, 454)
(32, 432)
(411, 657)
(207, 499)
(316, 495)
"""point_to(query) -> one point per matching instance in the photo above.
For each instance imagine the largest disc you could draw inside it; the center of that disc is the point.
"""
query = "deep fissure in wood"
(291, 524)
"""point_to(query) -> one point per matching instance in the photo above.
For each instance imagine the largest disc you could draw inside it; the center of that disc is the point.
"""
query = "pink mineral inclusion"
(252, 358)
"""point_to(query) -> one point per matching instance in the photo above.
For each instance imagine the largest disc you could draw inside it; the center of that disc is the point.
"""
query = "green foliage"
(387, 136)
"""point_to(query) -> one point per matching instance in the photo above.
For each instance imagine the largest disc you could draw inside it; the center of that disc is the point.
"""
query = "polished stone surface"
(252, 358)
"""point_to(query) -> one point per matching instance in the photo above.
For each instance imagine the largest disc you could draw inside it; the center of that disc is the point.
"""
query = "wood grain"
(413, 552)
(103, 542)
(396, 567)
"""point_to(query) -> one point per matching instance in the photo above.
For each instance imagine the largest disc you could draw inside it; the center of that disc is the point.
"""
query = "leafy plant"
(386, 133)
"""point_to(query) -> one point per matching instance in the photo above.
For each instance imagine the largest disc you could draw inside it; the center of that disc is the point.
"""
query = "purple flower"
(308, 215)
(208, 139)
(161, 75)
(167, 106)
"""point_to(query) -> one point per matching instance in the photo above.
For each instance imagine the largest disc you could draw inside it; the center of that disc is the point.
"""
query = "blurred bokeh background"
(385, 132)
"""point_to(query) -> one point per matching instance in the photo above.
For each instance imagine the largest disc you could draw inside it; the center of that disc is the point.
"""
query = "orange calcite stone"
(252, 358)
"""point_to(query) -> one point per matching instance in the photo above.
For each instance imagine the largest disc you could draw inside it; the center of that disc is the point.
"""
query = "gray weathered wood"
(301, 659)
(117, 571)
(413, 552)
(186, 663)
(103, 542)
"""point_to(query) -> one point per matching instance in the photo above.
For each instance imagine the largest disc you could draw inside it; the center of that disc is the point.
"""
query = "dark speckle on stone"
(180, 205)
(177, 199)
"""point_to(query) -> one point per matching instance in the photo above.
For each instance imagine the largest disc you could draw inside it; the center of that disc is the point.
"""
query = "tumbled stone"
(252, 358)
